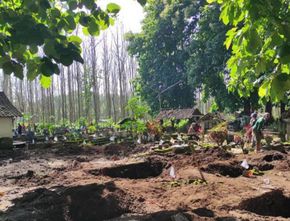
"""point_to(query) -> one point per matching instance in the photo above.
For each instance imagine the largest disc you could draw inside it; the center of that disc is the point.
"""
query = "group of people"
(255, 129)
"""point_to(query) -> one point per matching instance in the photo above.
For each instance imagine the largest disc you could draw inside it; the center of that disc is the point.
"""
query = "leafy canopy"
(39, 34)
(206, 65)
(161, 52)
(260, 43)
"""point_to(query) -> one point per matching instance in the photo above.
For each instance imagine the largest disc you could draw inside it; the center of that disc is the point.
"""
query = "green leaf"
(112, 21)
(32, 70)
(47, 67)
(142, 2)
(261, 67)
(230, 36)
(45, 81)
(94, 28)
(49, 49)
(75, 39)
(18, 71)
(55, 13)
(113, 8)
(285, 69)
(71, 22)
(224, 14)
(72, 4)
(86, 31)
(88, 3)
(254, 41)
(10, 67)
(84, 20)
(263, 90)
(279, 87)
(284, 54)
(102, 24)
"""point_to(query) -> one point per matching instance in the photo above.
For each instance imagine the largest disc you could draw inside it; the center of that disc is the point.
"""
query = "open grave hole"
(265, 166)
(273, 157)
(273, 203)
(139, 170)
(81, 203)
(231, 170)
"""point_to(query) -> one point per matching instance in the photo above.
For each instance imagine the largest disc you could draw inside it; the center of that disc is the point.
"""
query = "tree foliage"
(138, 112)
(207, 63)
(259, 39)
(161, 52)
(38, 35)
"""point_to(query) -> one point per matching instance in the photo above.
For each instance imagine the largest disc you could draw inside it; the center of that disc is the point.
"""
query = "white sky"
(131, 14)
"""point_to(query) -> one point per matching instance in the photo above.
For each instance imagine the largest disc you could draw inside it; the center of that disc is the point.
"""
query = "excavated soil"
(273, 203)
(67, 183)
(80, 203)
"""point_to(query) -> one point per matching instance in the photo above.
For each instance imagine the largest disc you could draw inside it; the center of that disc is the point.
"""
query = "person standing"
(257, 130)
(19, 130)
(252, 123)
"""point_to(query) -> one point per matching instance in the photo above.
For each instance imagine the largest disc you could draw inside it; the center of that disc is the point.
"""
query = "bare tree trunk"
(120, 70)
(79, 90)
(63, 95)
(106, 64)
(70, 99)
(96, 93)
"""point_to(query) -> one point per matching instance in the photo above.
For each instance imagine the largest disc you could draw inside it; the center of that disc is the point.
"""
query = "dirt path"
(84, 185)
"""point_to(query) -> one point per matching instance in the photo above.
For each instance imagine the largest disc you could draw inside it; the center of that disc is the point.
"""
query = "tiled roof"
(6, 107)
(179, 114)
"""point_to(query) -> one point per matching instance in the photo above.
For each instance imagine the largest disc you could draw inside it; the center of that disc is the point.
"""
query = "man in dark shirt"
(257, 129)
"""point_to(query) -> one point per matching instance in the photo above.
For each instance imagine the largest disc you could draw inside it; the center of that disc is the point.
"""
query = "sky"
(131, 14)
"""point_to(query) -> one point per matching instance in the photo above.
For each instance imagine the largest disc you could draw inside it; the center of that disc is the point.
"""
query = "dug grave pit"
(273, 157)
(91, 202)
(273, 203)
(140, 170)
(231, 170)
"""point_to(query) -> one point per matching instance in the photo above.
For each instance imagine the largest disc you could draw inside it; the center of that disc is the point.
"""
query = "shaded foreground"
(76, 184)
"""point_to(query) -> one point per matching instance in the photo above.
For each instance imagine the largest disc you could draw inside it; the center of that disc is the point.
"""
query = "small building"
(8, 113)
(191, 114)
(210, 120)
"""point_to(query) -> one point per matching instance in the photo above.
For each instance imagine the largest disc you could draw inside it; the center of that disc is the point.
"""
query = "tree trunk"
(247, 106)
(96, 95)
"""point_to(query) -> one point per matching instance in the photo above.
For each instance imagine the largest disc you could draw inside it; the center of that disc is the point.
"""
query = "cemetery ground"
(123, 182)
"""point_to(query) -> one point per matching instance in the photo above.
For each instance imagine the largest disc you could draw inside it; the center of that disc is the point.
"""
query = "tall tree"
(207, 63)
(160, 51)
(259, 39)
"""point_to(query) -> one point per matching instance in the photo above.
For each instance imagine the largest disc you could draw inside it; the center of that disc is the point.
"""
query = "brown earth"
(65, 183)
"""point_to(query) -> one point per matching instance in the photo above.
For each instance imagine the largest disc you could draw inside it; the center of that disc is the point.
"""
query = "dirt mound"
(117, 149)
(139, 170)
(68, 149)
(29, 178)
(217, 153)
(82, 203)
(13, 155)
(208, 155)
(273, 203)
(231, 170)
(283, 165)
